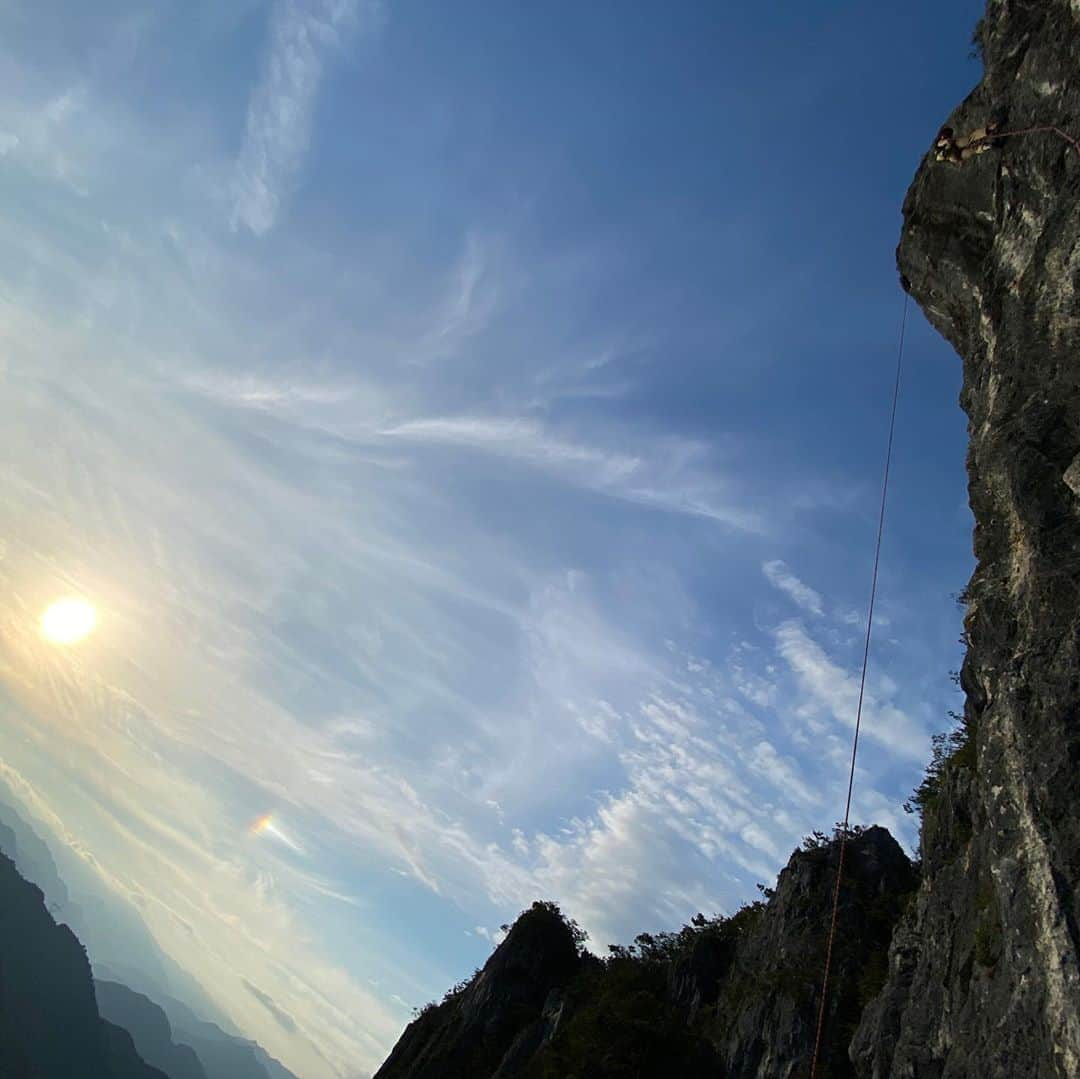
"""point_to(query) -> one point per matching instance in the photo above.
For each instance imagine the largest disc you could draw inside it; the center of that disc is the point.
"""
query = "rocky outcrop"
(765, 1017)
(472, 1030)
(731, 996)
(984, 977)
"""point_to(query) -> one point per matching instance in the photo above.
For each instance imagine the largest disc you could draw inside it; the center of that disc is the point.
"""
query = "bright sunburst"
(68, 621)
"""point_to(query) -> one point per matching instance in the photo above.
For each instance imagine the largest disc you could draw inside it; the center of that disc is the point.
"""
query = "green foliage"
(821, 840)
(456, 990)
(659, 948)
(951, 749)
(549, 906)
(621, 1022)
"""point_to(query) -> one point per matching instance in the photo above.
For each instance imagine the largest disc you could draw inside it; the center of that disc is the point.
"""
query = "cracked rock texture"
(983, 971)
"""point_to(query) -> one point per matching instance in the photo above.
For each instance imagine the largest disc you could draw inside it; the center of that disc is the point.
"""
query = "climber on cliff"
(956, 149)
(945, 148)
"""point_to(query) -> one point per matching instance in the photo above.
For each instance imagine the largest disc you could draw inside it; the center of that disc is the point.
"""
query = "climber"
(978, 141)
(958, 149)
(945, 148)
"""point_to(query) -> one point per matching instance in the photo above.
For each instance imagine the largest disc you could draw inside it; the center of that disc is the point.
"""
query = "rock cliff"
(983, 975)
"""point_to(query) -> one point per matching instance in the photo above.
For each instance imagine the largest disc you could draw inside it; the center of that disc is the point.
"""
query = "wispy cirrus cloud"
(780, 577)
(828, 687)
(665, 475)
(303, 35)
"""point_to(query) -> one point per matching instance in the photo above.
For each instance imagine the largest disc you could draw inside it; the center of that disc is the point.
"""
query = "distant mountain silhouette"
(149, 1027)
(171, 1036)
(274, 1068)
(50, 1027)
(223, 1055)
(112, 930)
(123, 1057)
(138, 986)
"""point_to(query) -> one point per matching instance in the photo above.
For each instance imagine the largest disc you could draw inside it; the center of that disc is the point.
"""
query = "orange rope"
(845, 827)
(1046, 129)
(862, 692)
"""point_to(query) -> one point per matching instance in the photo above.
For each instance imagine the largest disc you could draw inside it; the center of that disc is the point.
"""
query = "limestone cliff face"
(984, 977)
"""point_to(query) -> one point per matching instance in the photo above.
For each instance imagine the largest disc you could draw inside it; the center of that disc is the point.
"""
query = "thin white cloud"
(828, 687)
(468, 303)
(302, 35)
(780, 577)
(665, 476)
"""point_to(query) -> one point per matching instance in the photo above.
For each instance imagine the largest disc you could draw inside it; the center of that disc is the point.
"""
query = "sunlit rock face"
(984, 976)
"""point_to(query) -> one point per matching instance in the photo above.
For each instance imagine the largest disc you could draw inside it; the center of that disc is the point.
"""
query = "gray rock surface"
(471, 1031)
(766, 1017)
(984, 976)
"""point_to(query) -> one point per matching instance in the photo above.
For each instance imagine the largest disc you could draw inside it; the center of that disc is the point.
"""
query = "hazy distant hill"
(111, 929)
(223, 1055)
(142, 986)
(149, 1027)
(173, 1038)
(50, 1027)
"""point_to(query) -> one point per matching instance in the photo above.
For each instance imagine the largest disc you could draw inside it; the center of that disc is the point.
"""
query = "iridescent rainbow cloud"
(266, 825)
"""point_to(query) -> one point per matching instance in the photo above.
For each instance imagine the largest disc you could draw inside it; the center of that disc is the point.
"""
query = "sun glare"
(68, 621)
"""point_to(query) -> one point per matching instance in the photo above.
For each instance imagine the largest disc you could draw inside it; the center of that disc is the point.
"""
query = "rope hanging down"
(862, 691)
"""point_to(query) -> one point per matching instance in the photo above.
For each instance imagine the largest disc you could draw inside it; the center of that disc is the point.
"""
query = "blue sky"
(467, 421)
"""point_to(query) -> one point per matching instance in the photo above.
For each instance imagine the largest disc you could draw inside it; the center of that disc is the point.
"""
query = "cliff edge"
(984, 976)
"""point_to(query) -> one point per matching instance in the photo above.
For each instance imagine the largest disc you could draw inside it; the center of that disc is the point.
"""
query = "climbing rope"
(1046, 129)
(845, 827)
(948, 148)
(989, 139)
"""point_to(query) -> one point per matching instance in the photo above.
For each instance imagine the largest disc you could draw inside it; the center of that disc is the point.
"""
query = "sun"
(68, 621)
